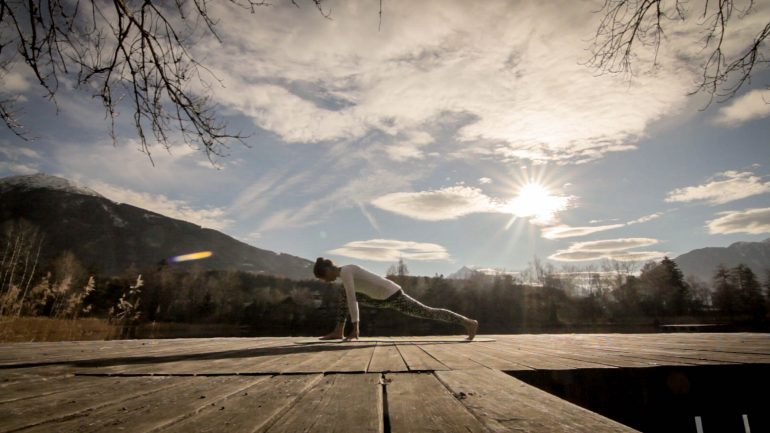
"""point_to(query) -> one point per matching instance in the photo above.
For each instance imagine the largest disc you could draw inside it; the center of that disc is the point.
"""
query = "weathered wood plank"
(453, 355)
(249, 410)
(318, 361)
(417, 402)
(503, 404)
(355, 360)
(387, 358)
(155, 410)
(83, 398)
(338, 403)
(418, 359)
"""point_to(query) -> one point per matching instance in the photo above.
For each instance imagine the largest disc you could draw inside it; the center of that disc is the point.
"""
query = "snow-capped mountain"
(466, 272)
(110, 237)
(703, 262)
(44, 181)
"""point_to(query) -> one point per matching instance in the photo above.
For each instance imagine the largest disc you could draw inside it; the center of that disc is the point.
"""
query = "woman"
(375, 291)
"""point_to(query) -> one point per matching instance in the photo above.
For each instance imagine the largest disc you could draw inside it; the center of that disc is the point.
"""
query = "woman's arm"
(342, 312)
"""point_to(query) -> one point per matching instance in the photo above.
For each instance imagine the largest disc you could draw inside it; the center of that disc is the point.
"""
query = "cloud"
(753, 221)
(210, 217)
(353, 192)
(447, 203)
(18, 159)
(533, 202)
(613, 249)
(722, 188)
(753, 105)
(645, 218)
(410, 148)
(523, 89)
(387, 250)
(485, 180)
(564, 231)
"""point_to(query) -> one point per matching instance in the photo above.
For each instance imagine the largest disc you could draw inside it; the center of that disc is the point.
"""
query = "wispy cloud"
(210, 217)
(645, 218)
(388, 250)
(613, 249)
(722, 188)
(753, 105)
(753, 221)
(533, 202)
(354, 191)
(442, 204)
(410, 148)
(565, 231)
(18, 159)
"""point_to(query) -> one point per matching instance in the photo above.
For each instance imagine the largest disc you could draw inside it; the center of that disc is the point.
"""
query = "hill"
(110, 237)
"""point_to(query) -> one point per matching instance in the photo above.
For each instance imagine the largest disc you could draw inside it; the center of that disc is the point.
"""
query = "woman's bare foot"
(332, 336)
(472, 326)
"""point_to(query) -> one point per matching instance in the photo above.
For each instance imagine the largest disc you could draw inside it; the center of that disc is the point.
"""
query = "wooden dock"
(400, 384)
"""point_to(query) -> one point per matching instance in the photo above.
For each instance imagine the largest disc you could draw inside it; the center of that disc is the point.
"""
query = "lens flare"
(192, 256)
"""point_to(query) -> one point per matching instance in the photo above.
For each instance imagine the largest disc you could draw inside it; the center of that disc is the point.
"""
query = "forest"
(615, 297)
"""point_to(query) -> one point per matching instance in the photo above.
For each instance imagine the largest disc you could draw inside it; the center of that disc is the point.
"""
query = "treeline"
(541, 299)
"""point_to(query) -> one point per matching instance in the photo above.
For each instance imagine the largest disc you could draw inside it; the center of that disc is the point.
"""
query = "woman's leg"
(412, 307)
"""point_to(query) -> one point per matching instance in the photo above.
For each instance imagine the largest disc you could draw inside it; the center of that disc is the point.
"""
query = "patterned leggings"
(402, 302)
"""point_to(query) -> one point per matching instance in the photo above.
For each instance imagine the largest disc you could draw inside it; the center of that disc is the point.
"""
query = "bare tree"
(628, 25)
(133, 53)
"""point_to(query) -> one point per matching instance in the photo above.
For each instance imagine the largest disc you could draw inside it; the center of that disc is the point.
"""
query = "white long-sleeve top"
(357, 279)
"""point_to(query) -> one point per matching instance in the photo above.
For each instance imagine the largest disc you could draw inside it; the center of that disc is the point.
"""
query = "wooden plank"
(490, 357)
(417, 359)
(387, 358)
(84, 397)
(453, 355)
(338, 403)
(249, 410)
(532, 359)
(355, 360)
(503, 404)
(155, 410)
(43, 387)
(317, 362)
(417, 402)
(247, 356)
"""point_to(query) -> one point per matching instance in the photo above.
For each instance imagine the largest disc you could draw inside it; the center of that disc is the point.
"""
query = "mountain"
(466, 272)
(110, 237)
(702, 262)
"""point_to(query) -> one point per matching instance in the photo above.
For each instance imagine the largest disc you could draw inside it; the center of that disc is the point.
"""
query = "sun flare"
(535, 201)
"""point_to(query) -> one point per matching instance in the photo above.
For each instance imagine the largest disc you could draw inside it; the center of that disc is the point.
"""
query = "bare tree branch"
(133, 53)
(628, 25)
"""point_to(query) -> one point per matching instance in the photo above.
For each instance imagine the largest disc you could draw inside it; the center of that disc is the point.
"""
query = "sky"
(449, 134)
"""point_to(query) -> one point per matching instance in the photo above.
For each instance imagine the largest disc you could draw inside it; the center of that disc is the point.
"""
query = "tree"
(665, 291)
(132, 49)
(750, 300)
(627, 25)
(21, 243)
(724, 291)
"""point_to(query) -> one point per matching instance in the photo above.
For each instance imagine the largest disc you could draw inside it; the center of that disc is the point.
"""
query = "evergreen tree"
(724, 293)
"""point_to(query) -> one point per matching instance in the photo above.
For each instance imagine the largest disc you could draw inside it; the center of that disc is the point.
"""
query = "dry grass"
(26, 329)
(20, 329)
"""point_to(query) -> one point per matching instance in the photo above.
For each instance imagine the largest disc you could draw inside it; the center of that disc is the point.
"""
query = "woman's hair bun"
(320, 266)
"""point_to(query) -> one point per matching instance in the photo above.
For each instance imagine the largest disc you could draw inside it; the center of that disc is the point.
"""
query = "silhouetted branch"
(627, 24)
(133, 52)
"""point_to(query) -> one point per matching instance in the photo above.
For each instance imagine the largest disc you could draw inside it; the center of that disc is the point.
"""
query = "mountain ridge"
(110, 237)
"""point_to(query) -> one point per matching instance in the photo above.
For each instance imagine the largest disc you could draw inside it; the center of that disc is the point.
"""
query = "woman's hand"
(353, 332)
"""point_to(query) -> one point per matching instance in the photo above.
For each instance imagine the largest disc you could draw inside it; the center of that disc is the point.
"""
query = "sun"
(536, 202)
